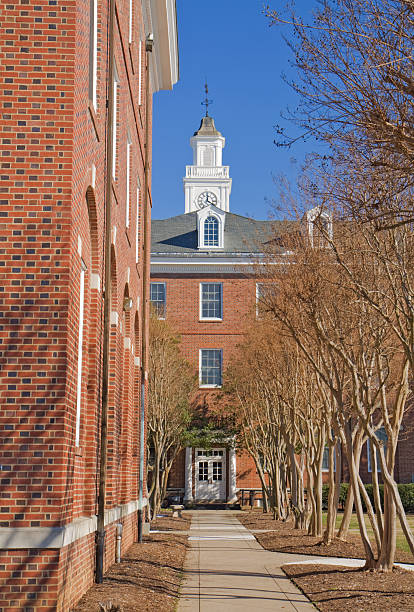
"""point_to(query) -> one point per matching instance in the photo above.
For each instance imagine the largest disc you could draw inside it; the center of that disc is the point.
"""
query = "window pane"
(325, 459)
(211, 300)
(381, 435)
(217, 470)
(211, 232)
(211, 367)
(157, 298)
(203, 470)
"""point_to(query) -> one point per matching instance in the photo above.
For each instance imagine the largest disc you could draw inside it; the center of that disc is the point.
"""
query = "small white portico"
(206, 473)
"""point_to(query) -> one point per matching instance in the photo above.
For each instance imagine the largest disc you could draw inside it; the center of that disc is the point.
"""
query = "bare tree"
(171, 381)
(355, 84)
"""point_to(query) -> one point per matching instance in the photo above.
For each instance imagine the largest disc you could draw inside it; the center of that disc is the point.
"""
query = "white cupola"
(207, 180)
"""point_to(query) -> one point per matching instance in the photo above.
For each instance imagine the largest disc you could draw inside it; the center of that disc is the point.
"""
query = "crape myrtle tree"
(257, 418)
(282, 424)
(355, 83)
(171, 381)
(354, 350)
(354, 79)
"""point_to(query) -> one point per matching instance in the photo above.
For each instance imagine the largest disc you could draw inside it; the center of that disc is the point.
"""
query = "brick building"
(202, 281)
(68, 174)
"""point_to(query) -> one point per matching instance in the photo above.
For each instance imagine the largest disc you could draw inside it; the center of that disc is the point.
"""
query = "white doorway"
(210, 475)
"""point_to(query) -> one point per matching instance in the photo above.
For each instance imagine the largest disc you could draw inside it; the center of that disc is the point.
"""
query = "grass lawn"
(353, 527)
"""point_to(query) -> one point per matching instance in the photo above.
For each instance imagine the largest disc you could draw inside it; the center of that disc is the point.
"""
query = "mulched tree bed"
(147, 579)
(285, 538)
(342, 589)
(168, 523)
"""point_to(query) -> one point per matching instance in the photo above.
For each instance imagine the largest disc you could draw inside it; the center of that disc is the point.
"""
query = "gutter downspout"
(145, 283)
(100, 530)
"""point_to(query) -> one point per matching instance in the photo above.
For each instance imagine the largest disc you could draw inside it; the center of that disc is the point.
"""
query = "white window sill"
(210, 319)
(206, 247)
(210, 386)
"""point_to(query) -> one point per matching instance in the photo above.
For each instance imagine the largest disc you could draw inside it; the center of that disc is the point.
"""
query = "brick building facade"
(55, 62)
(203, 283)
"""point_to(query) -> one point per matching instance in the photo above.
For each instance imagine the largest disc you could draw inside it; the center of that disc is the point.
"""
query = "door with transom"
(210, 474)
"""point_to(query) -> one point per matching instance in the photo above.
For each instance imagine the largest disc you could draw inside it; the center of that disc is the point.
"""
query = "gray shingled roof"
(241, 234)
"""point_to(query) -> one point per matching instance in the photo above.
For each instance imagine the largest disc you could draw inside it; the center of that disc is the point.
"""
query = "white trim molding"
(14, 538)
(160, 18)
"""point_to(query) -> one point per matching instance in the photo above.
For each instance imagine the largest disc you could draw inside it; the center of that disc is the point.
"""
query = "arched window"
(211, 231)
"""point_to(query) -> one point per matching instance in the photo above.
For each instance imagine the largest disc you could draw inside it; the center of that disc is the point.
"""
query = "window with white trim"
(211, 231)
(128, 180)
(140, 73)
(320, 227)
(325, 460)
(115, 86)
(260, 287)
(381, 435)
(158, 298)
(80, 352)
(210, 367)
(93, 51)
(211, 301)
(131, 20)
(137, 226)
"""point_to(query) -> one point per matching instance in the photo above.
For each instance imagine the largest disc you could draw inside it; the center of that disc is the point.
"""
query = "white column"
(188, 495)
(232, 476)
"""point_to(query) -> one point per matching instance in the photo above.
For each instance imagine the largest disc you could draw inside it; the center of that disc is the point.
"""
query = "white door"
(210, 474)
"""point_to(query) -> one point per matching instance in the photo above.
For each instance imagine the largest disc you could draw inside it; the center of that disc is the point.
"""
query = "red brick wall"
(51, 207)
(49, 580)
(183, 312)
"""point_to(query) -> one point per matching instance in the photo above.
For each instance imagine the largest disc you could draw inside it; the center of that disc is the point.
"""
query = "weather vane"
(206, 101)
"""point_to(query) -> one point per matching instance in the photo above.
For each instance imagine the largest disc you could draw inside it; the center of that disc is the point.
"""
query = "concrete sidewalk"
(226, 570)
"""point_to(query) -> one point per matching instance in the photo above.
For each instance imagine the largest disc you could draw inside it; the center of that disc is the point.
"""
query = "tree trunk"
(386, 558)
(333, 498)
(375, 489)
(349, 504)
(369, 555)
(370, 512)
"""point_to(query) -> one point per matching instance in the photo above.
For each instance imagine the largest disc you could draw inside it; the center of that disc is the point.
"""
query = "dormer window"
(319, 227)
(211, 232)
(210, 227)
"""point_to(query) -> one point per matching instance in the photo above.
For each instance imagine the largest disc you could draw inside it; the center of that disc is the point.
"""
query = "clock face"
(206, 198)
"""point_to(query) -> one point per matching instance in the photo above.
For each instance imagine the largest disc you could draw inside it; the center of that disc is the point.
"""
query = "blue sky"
(229, 42)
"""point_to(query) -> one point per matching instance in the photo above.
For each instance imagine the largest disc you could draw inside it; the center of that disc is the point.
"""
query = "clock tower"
(207, 180)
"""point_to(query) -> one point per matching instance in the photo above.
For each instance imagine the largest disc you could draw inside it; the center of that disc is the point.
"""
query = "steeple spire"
(206, 102)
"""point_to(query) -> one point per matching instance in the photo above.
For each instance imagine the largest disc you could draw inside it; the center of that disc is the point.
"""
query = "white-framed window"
(211, 231)
(137, 224)
(80, 353)
(211, 301)
(210, 368)
(115, 86)
(140, 73)
(320, 227)
(93, 51)
(128, 180)
(131, 20)
(381, 435)
(158, 298)
(260, 291)
(210, 227)
(325, 460)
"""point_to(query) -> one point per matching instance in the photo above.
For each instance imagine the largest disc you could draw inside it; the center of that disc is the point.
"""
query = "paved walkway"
(226, 570)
